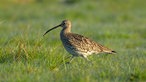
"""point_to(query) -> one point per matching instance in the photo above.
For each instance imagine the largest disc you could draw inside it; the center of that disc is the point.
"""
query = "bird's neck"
(64, 33)
(66, 30)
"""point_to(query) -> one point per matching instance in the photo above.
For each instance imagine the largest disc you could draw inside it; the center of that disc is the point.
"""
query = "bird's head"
(65, 24)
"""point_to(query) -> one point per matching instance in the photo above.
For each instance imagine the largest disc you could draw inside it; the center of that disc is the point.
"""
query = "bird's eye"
(64, 23)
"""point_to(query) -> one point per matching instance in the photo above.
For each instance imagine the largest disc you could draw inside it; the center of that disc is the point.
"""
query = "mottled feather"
(84, 44)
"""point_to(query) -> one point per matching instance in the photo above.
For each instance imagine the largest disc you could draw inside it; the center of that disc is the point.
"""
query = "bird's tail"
(113, 52)
(110, 52)
(106, 50)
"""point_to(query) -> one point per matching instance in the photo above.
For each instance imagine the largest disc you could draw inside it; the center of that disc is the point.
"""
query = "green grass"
(27, 56)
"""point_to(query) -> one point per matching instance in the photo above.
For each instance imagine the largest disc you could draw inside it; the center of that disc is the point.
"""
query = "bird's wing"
(83, 43)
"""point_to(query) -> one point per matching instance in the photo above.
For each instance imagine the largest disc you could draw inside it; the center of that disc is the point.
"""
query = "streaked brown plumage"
(78, 45)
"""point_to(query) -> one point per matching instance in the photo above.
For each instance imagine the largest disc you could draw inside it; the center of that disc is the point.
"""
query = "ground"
(27, 56)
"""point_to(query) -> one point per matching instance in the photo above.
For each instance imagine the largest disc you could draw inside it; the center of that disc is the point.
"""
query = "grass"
(27, 56)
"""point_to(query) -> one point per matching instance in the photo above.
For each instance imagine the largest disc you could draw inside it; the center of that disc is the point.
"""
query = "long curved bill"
(51, 29)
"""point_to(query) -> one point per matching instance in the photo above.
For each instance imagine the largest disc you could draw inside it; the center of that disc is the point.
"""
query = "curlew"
(79, 45)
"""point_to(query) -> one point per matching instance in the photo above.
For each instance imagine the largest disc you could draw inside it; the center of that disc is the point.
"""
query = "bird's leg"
(71, 58)
(86, 58)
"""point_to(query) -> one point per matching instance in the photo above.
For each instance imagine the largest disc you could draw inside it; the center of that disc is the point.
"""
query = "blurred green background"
(27, 56)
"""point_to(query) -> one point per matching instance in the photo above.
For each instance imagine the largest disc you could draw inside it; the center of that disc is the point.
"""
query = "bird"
(79, 45)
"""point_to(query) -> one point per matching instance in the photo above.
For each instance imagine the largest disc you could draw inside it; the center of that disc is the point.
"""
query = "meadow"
(28, 56)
